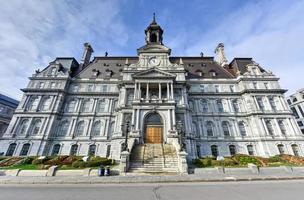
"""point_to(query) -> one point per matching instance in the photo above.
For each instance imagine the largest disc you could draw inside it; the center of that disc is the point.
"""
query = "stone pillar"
(159, 91)
(182, 162)
(139, 91)
(124, 162)
(135, 91)
(168, 95)
(172, 96)
(147, 92)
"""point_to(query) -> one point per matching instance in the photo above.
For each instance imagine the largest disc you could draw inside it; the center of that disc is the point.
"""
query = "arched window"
(130, 97)
(260, 103)
(74, 149)
(45, 105)
(108, 152)
(219, 105)
(56, 149)
(86, 106)
(214, 151)
(191, 105)
(23, 127)
(11, 149)
(235, 105)
(225, 127)
(269, 127)
(281, 149)
(101, 106)
(63, 128)
(242, 128)
(35, 127)
(250, 150)
(153, 37)
(209, 126)
(204, 104)
(96, 128)
(195, 129)
(111, 130)
(295, 149)
(282, 127)
(232, 150)
(25, 149)
(71, 106)
(79, 128)
(33, 103)
(92, 150)
(272, 103)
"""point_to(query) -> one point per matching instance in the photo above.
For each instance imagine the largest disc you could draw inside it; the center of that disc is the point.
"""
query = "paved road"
(259, 190)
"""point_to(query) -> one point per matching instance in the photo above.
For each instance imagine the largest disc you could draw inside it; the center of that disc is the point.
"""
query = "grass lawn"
(22, 166)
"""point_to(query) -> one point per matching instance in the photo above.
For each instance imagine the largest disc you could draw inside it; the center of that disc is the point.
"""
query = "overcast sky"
(35, 32)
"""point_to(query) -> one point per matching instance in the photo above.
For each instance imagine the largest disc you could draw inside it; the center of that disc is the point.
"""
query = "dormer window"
(109, 72)
(199, 72)
(294, 99)
(53, 71)
(212, 73)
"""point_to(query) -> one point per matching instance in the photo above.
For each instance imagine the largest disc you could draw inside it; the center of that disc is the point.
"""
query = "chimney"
(220, 55)
(88, 50)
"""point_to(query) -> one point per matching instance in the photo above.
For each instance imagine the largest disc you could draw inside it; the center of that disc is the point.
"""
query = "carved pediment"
(154, 73)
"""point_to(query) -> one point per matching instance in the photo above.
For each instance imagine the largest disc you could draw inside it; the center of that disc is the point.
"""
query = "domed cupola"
(154, 33)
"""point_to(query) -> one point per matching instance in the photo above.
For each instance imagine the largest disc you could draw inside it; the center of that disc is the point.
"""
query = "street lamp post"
(180, 132)
(127, 130)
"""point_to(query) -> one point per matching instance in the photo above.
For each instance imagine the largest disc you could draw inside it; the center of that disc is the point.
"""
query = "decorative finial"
(202, 54)
(106, 54)
(154, 20)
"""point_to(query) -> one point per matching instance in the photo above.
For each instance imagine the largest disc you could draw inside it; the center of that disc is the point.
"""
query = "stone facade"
(81, 108)
(7, 108)
(296, 104)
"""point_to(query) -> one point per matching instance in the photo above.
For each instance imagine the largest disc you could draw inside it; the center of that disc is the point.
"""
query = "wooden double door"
(154, 134)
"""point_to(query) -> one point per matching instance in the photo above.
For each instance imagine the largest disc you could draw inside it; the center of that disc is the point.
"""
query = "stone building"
(7, 108)
(79, 108)
(296, 104)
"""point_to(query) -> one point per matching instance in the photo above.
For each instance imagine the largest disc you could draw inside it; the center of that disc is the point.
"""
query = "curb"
(119, 181)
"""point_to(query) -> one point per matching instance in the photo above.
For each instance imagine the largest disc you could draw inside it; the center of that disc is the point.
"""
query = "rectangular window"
(104, 88)
(202, 87)
(301, 110)
(217, 88)
(295, 113)
(53, 85)
(232, 88)
(90, 88)
(255, 85)
(41, 85)
(288, 101)
(300, 123)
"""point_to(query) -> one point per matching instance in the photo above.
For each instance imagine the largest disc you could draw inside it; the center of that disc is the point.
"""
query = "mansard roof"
(193, 65)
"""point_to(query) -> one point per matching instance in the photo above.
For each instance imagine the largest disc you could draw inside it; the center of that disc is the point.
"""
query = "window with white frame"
(71, 106)
(86, 106)
(282, 126)
(63, 128)
(45, 104)
(235, 105)
(101, 106)
(269, 127)
(225, 127)
(33, 103)
(219, 105)
(204, 104)
(36, 125)
(272, 103)
(209, 128)
(260, 103)
(79, 131)
(97, 128)
(242, 128)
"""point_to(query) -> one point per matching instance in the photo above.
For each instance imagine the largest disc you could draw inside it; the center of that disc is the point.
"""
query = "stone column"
(172, 96)
(168, 95)
(159, 91)
(135, 91)
(147, 92)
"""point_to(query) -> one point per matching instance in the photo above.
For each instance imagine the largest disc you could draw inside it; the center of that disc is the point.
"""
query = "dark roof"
(8, 101)
(116, 64)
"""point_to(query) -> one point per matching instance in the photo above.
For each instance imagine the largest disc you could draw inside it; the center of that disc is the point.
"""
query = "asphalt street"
(257, 190)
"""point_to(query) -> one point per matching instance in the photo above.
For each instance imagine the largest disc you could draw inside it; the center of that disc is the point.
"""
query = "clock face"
(154, 61)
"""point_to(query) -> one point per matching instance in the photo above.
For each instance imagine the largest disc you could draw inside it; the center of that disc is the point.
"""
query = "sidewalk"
(144, 179)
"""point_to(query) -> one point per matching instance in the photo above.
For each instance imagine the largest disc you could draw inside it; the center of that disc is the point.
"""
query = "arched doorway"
(153, 128)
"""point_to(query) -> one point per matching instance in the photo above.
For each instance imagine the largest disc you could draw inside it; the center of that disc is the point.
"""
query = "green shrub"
(28, 160)
(274, 159)
(96, 161)
(245, 160)
(38, 161)
(79, 164)
(198, 163)
(229, 162)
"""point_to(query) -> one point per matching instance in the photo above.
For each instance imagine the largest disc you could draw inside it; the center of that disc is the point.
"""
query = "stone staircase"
(154, 158)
